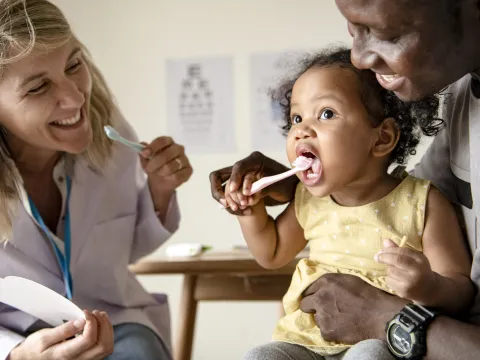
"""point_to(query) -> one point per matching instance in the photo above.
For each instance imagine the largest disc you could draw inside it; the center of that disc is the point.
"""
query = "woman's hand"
(94, 343)
(167, 168)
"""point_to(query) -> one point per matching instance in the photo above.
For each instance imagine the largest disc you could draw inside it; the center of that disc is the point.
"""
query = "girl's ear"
(387, 138)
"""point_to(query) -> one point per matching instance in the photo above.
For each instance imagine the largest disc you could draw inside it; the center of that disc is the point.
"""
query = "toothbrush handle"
(266, 181)
(136, 146)
(269, 180)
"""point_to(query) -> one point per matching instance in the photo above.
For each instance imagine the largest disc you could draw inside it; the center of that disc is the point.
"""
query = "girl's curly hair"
(411, 118)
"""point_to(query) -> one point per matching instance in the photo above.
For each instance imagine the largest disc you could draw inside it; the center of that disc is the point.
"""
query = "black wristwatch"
(407, 332)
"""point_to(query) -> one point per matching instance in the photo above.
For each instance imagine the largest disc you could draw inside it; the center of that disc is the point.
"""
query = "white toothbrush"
(114, 135)
(301, 163)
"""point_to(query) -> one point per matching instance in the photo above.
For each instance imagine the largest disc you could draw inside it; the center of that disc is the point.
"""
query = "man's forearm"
(449, 339)
(283, 192)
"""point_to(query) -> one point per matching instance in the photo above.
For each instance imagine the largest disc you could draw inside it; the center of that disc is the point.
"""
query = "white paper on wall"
(200, 101)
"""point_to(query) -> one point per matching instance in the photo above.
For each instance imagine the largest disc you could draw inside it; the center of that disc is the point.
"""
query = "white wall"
(130, 41)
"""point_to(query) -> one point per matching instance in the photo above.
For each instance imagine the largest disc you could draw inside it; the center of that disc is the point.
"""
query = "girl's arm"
(440, 276)
(273, 243)
(445, 248)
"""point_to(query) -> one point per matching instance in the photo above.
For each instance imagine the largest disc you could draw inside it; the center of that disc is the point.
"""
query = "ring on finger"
(179, 162)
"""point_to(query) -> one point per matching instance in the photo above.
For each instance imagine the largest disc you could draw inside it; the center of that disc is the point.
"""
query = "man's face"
(416, 47)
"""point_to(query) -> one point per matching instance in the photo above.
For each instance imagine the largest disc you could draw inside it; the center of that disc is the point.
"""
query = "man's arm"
(343, 310)
(451, 339)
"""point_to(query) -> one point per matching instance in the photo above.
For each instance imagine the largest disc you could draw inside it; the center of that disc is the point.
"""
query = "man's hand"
(348, 310)
(244, 172)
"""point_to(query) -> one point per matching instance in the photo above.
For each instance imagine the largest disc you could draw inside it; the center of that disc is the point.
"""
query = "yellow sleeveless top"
(344, 240)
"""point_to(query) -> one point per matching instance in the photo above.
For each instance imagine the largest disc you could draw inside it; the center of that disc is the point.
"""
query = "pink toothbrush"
(301, 163)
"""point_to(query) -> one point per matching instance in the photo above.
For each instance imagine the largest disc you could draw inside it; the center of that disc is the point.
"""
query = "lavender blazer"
(113, 224)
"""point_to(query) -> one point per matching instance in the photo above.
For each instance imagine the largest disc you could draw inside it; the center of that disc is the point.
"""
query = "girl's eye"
(327, 114)
(296, 119)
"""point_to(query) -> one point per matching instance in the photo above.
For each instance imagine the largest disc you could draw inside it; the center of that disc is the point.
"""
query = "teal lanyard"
(63, 260)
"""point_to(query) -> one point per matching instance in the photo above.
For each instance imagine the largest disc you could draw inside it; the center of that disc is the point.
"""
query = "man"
(417, 48)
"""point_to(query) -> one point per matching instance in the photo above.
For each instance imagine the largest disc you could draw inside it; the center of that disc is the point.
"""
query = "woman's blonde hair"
(25, 26)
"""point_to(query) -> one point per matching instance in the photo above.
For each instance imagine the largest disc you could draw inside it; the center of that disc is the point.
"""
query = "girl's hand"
(240, 199)
(409, 272)
(258, 164)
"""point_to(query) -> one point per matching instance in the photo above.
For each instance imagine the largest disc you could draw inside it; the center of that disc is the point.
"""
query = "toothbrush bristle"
(302, 162)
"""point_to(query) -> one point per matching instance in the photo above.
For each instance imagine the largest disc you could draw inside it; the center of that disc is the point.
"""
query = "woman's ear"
(388, 135)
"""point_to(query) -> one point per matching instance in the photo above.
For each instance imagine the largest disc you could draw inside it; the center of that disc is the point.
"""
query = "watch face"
(400, 339)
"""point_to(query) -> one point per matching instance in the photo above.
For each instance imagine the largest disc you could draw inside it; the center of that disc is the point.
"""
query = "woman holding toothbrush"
(76, 208)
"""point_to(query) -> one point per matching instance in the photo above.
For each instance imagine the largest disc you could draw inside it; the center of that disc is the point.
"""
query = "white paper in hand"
(38, 300)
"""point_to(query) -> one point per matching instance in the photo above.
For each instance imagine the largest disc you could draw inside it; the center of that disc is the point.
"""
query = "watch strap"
(416, 316)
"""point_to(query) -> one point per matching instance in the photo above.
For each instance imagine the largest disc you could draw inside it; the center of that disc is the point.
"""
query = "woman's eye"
(296, 119)
(327, 114)
(72, 68)
(38, 89)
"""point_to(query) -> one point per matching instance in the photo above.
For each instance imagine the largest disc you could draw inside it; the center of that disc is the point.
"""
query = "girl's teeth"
(67, 122)
(312, 176)
(316, 167)
(390, 78)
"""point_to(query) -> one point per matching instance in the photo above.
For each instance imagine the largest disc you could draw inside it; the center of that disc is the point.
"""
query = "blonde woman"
(76, 209)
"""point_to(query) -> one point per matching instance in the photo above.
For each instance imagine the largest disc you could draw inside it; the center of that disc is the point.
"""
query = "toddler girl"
(347, 203)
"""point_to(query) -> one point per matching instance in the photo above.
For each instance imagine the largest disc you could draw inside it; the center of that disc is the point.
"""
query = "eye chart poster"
(200, 100)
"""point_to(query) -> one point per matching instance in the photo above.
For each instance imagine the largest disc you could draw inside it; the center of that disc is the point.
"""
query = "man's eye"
(394, 40)
(296, 119)
(327, 114)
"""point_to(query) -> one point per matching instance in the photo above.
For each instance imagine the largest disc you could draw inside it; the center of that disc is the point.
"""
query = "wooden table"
(217, 276)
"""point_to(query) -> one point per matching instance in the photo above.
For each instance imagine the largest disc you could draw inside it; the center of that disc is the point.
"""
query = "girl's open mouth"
(312, 176)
